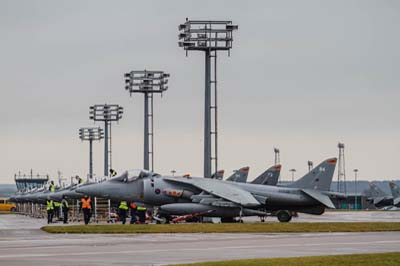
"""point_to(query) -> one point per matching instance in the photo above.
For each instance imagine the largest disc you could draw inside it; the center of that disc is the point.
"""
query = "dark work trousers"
(57, 212)
(86, 215)
(133, 216)
(122, 215)
(49, 216)
(65, 215)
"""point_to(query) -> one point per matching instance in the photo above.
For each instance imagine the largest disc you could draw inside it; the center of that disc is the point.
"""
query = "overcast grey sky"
(302, 76)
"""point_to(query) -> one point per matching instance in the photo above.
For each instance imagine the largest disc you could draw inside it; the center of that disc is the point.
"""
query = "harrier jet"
(218, 198)
(378, 197)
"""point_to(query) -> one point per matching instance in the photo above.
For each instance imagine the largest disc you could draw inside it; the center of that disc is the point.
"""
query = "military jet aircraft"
(217, 198)
(378, 197)
(395, 189)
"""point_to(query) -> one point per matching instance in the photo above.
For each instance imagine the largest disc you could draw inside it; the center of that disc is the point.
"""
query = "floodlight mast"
(341, 185)
(208, 36)
(106, 113)
(90, 134)
(147, 82)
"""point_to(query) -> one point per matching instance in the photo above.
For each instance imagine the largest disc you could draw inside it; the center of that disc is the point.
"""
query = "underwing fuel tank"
(213, 211)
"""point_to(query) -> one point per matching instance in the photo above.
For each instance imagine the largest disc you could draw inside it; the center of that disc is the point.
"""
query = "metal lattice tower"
(90, 134)
(106, 113)
(310, 165)
(277, 156)
(147, 82)
(209, 37)
(341, 182)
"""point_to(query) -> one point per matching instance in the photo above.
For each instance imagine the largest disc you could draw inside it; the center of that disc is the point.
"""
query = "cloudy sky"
(302, 76)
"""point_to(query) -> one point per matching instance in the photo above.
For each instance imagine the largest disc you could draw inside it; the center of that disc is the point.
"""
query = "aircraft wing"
(396, 201)
(318, 196)
(220, 189)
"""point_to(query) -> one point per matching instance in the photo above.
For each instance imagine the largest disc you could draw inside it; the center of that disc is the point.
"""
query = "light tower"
(90, 134)
(341, 186)
(106, 113)
(277, 156)
(209, 37)
(355, 185)
(147, 82)
(293, 171)
(310, 165)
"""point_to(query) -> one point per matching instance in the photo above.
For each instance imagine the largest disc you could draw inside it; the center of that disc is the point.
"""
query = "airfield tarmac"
(23, 243)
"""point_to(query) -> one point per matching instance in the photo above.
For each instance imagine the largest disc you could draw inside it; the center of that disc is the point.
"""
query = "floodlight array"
(146, 81)
(91, 133)
(206, 34)
(106, 112)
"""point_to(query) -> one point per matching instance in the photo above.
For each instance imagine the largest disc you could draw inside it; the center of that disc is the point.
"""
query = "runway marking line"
(192, 249)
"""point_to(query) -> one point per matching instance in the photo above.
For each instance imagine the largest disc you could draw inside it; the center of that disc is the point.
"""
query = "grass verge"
(381, 259)
(226, 228)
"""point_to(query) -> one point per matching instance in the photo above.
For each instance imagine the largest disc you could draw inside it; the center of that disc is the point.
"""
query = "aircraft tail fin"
(376, 191)
(319, 178)
(218, 175)
(239, 175)
(395, 190)
(269, 177)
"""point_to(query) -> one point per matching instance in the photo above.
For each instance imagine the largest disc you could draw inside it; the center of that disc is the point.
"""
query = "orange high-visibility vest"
(86, 203)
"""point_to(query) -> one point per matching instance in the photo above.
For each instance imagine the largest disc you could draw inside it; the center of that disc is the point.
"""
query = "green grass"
(382, 259)
(225, 228)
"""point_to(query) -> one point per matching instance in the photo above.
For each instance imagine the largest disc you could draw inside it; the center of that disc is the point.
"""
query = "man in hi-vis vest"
(86, 206)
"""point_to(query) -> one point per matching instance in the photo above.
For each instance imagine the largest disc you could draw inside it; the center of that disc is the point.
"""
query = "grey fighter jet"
(395, 189)
(378, 197)
(217, 198)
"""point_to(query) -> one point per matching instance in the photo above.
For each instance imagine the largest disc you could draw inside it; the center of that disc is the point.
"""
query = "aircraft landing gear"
(162, 219)
(262, 218)
(284, 216)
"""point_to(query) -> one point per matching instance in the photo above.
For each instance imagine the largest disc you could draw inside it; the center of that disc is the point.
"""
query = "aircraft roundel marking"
(157, 191)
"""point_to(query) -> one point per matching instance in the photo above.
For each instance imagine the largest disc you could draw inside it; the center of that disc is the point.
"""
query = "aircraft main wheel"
(284, 216)
(162, 220)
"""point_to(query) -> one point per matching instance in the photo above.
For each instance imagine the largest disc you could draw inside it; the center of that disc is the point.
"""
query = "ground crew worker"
(52, 187)
(123, 209)
(50, 209)
(56, 209)
(86, 206)
(79, 179)
(65, 209)
(133, 207)
(142, 214)
(113, 172)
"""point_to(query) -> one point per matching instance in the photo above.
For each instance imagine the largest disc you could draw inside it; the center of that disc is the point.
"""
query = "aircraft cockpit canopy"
(135, 174)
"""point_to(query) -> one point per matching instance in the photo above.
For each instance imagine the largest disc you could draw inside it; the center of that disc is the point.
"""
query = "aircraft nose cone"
(90, 190)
